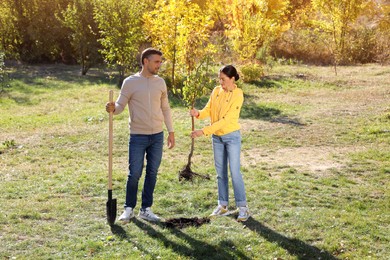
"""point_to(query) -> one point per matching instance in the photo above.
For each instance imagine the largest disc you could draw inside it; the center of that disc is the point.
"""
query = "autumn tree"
(120, 27)
(38, 36)
(334, 19)
(78, 17)
(254, 23)
(180, 29)
(8, 32)
(383, 33)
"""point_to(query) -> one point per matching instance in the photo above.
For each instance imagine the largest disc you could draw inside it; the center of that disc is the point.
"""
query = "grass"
(315, 160)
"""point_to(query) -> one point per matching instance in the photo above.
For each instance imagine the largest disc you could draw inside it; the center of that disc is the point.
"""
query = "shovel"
(111, 203)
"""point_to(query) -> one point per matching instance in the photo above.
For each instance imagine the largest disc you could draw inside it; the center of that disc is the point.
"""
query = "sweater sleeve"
(122, 100)
(166, 110)
(205, 112)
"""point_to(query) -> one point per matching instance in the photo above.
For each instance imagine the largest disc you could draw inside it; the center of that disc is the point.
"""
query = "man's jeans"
(139, 145)
(227, 149)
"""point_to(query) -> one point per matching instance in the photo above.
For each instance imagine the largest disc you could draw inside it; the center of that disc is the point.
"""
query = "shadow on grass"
(256, 111)
(191, 247)
(294, 246)
(266, 83)
(260, 112)
(28, 80)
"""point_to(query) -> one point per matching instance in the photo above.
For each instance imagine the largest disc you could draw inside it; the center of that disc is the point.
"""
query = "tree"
(8, 32)
(39, 35)
(120, 26)
(78, 17)
(196, 85)
(334, 18)
(254, 23)
(181, 30)
(383, 33)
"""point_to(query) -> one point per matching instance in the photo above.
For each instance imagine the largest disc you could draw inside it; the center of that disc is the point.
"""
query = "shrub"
(3, 74)
(251, 72)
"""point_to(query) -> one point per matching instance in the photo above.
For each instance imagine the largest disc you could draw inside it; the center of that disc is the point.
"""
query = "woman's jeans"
(139, 145)
(227, 150)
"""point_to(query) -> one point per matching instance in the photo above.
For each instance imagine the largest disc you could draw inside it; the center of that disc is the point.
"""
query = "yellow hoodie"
(224, 109)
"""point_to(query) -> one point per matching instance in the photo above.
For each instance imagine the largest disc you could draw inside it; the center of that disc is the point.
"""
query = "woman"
(224, 108)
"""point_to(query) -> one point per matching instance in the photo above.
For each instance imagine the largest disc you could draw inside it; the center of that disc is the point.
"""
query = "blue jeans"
(139, 145)
(227, 150)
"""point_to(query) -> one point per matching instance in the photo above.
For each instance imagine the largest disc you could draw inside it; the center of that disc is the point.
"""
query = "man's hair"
(149, 52)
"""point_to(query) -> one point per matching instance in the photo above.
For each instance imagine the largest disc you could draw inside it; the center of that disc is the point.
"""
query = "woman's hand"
(194, 112)
(196, 133)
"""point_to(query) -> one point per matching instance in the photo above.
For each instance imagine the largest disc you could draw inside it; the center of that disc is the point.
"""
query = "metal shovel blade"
(111, 209)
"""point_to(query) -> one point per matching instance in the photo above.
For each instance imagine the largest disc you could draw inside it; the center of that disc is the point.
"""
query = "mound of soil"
(185, 222)
(187, 174)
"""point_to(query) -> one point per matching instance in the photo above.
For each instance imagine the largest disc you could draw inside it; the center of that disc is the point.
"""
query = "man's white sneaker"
(127, 215)
(243, 214)
(147, 214)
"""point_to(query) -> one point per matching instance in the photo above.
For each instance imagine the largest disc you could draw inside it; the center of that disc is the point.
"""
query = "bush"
(3, 74)
(251, 72)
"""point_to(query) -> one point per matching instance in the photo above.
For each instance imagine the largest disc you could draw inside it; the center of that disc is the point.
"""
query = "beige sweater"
(147, 100)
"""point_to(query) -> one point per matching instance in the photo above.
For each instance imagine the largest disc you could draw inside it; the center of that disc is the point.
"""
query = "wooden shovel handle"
(110, 141)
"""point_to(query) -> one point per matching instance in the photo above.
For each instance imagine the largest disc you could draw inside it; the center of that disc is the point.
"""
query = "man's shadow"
(224, 250)
(294, 246)
(193, 248)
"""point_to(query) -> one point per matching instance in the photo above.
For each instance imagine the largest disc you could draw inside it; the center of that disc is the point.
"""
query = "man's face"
(153, 63)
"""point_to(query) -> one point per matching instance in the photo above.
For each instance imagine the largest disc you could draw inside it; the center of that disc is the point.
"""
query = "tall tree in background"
(334, 18)
(383, 33)
(181, 30)
(8, 32)
(120, 25)
(40, 36)
(254, 23)
(78, 17)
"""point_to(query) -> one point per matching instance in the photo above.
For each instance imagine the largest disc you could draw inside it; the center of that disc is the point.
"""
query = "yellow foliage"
(254, 23)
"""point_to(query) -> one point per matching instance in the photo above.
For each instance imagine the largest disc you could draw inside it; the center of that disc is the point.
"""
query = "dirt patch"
(314, 159)
(185, 222)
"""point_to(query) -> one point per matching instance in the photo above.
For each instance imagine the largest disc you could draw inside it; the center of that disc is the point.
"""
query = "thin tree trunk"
(192, 139)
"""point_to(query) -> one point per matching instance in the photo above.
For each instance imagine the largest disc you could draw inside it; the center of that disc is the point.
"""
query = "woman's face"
(226, 82)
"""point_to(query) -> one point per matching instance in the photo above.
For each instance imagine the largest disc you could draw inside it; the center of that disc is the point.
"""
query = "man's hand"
(110, 107)
(196, 133)
(171, 140)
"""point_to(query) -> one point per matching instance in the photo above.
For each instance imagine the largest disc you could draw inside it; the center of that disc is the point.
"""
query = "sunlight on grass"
(315, 160)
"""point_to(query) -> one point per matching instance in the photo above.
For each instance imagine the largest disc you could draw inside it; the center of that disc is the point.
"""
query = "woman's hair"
(230, 71)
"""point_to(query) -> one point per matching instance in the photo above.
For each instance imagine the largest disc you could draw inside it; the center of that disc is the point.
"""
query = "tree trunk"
(192, 143)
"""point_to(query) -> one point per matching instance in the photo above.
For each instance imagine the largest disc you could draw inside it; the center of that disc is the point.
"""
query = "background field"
(315, 159)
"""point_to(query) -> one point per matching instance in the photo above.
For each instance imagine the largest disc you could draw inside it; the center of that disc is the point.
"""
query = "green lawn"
(315, 160)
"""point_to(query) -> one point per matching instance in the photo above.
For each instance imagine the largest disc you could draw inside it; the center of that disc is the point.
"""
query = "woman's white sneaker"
(220, 211)
(243, 214)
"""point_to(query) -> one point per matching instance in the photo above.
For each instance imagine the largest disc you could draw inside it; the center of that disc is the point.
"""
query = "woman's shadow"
(294, 246)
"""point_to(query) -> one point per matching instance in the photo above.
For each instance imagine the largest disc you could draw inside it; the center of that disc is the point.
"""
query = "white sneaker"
(220, 211)
(243, 214)
(148, 215)
(127, 215)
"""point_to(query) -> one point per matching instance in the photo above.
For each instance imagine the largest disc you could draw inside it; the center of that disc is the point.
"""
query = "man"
(146, 96)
